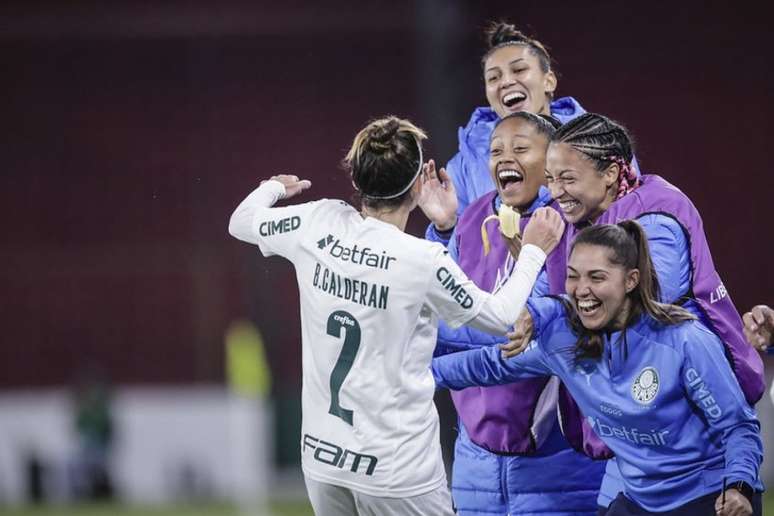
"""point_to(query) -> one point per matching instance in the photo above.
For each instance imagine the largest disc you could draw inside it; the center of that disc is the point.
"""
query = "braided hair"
(604, 142)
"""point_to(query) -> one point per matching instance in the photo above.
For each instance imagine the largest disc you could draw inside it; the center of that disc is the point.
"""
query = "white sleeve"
(459, 301)
(501, 310)
(273, 230)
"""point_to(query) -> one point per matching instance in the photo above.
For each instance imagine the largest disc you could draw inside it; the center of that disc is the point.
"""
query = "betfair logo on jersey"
(357, 255)
(338, 457)
(459, 294)
(286, 225)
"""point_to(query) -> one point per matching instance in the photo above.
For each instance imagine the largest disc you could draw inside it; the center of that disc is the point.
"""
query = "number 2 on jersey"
(336, 321)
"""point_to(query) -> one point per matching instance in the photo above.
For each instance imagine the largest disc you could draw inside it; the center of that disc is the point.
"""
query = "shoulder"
(566, 109)
(547, 312)
(478, 129)
(684, 336)
(479, 209)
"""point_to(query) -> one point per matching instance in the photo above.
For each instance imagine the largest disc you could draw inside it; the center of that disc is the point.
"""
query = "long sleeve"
(501, 310)
(276, 231)
(712, 388)
(242, 221)
(671, 256)
(485, 367)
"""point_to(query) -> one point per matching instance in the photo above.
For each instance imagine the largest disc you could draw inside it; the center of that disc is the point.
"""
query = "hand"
(293, 185)
(759, 326)
(736, 504)
(544, 229)
(514, 245)
(520, 337)
(438, 200)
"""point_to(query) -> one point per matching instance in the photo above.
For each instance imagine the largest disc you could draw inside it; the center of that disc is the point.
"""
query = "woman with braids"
(510, 445)
(651, 379)
(588, 173)
(371, 297)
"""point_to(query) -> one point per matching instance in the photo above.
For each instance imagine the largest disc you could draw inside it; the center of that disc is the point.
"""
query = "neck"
(620, 320)
(398, 217)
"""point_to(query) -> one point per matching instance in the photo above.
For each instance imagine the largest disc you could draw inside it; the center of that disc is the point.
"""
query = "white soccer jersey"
(370, 297)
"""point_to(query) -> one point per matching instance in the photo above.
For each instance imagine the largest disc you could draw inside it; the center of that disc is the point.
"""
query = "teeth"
(510, 174)
(513, 98)
(568, 205)
(587, 304)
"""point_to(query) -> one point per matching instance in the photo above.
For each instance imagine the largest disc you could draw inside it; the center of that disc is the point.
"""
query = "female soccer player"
(589, 174)
(371, 297)
(497, 423)
(652, 381)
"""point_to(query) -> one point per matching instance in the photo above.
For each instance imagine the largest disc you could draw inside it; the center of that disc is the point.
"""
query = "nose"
(556, 189)
(582, 288)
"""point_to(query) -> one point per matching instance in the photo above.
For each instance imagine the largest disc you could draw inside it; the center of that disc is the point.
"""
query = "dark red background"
(130, 132)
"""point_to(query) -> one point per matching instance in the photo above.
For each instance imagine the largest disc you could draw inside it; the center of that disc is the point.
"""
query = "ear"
(631, 280)
(549, 82)
(611, 174)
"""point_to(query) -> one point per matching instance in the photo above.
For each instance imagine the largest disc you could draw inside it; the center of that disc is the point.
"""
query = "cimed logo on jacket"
(645, 386)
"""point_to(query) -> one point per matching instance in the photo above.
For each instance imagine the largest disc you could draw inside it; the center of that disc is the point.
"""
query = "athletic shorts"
(332, 500)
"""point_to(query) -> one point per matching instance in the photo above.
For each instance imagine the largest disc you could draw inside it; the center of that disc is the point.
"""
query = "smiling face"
(582, 191)
(517, 158)
(598, 287)
(515, 81)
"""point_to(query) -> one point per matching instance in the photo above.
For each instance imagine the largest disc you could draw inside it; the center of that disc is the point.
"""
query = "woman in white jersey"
(371, 296)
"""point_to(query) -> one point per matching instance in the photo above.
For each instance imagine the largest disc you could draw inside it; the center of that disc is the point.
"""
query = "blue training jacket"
(663, 398)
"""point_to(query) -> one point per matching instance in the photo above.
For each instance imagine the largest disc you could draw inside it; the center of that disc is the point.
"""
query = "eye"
(549, 179)
(596, 278)
(495, 152)
(492, 78)
(520, 150)
(521, 69)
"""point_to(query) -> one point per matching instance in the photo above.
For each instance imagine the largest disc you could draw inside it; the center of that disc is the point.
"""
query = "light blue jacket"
(663, 398)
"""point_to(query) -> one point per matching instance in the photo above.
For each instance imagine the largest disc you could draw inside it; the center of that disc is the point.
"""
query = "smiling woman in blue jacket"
(651, 380)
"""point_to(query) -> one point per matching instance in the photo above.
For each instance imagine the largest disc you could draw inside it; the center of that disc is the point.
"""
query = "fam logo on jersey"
(273, 227)
(357, 255)
(645, 386)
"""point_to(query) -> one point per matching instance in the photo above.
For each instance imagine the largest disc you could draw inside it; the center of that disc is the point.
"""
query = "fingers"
(513, 347)
(758, 314)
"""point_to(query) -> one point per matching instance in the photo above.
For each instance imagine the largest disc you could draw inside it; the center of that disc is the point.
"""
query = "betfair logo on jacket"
(459, 294)
(630, 434)
(273, 227)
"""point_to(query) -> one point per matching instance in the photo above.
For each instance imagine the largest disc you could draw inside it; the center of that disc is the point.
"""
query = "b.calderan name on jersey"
(360, 292)
(286, 225)
(459, 294)
(357, 255)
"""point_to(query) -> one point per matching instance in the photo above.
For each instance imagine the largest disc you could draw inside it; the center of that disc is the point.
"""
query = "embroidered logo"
(645, 386)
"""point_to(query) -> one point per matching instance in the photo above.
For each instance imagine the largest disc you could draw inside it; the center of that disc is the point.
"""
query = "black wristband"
(744, 488)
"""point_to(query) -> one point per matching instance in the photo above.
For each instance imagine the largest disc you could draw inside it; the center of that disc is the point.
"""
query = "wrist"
(743, 487)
